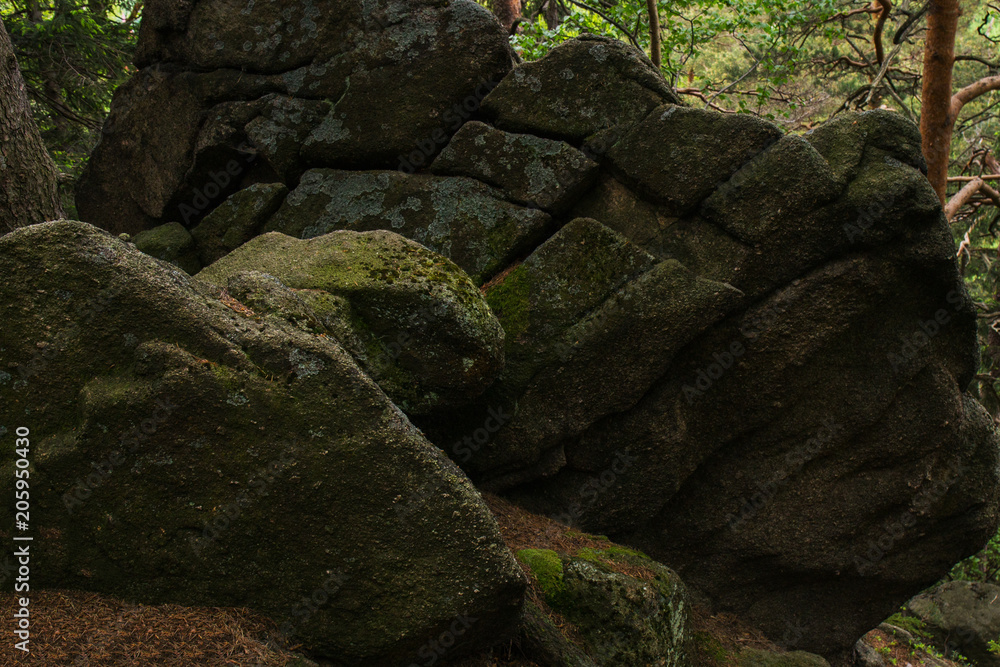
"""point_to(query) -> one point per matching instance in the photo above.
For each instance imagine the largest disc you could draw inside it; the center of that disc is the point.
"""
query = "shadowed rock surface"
(187, 450)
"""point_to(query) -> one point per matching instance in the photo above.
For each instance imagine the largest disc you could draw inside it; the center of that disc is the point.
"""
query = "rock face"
(964, 616)
(186, 449)
(209, 111)
(418, 325)
(743, 352)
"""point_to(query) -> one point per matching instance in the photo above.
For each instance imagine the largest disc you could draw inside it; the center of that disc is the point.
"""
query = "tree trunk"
(654, 33)
(507, 11)
(29, 190)
(552, 18)
(936, 119)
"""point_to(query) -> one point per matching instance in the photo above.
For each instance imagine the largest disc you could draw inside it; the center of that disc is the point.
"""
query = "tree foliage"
(73, 54)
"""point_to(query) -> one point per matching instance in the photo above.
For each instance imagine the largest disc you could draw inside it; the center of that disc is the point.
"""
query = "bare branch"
(961, 198)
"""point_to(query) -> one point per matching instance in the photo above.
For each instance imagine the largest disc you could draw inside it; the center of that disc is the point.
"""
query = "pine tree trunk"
(936, 119)
(29, 190)
(507, 11)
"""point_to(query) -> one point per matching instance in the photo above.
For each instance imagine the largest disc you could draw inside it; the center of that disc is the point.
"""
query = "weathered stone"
(678, 156)
(624, 620)
(187, 453)
(281, 128)
(307, 104)
(587, 308)
(237, 220)
(842, 347)
(529, 170)
(432, 341)
(464, 220)
(171, 243)
(962, 616)
(843, 140)
(580, 87)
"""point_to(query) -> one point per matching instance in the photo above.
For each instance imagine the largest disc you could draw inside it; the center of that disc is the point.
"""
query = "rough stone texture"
(624, 620)
(237, 220)
(532, 171)
(678, 156)
(581, 87)
(464, 220)
(185, 452)
(964, 616)
(171, 243)
(742, 352)
(807, 403)
(291, 84)
(422, 329)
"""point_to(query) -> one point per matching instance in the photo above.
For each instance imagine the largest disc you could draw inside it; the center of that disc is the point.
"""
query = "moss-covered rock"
(963, 617)
(624, 620)
(463, 219)
(582, 86)
(429, 337)
(171, 243)
(678, 156)
(529, 170)
(844, 140)
(184, 451)
(587, 308)
(296, 84)
(237, 220)
(753, 657)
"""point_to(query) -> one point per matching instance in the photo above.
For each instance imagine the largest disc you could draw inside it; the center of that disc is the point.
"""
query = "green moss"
(709, 648)
(547, 567)
(510, 303)
(911, 624)
(613, 552)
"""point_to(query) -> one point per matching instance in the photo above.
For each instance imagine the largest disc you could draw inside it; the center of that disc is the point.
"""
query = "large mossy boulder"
(185, 450)
(417, 324)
